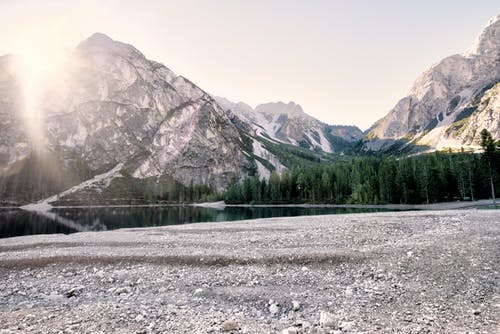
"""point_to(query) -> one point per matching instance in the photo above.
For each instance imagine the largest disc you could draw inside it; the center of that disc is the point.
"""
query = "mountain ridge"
(287, 122)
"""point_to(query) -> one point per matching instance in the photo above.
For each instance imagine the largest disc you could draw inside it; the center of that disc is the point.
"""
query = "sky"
(343, 61)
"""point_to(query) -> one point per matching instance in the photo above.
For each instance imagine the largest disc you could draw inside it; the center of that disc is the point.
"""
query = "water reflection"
(15, 222)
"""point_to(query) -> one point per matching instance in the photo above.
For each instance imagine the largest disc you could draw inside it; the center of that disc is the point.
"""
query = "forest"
(426, 178)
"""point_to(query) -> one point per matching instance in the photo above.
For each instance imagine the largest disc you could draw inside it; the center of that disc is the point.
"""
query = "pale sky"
(345, 61)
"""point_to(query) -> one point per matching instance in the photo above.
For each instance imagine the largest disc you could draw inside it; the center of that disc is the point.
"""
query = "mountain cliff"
(450, 103)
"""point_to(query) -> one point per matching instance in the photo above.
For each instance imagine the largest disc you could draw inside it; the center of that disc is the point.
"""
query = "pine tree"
(489, 148)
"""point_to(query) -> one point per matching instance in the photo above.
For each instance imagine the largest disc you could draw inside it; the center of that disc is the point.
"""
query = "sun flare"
(40, 57)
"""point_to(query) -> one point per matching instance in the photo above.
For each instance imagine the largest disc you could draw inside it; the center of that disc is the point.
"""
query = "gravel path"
(404, 272)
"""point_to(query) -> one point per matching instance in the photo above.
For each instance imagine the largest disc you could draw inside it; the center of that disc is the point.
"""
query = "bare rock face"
(482, 112)
(441, 96)
(111, 105)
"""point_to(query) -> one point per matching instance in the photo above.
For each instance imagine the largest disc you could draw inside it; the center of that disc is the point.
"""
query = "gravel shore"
(403, 272)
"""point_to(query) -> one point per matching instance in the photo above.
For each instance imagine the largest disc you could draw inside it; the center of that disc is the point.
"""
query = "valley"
(176, 143)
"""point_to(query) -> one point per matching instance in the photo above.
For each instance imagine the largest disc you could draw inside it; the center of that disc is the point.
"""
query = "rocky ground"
(411, 272)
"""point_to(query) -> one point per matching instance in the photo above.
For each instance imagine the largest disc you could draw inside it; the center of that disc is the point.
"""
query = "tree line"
(427, 178)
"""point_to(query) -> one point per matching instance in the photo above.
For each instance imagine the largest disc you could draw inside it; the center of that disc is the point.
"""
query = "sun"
(39, 59)
(40, 54)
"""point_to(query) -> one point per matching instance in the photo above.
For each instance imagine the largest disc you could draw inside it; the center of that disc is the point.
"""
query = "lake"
(16, 222)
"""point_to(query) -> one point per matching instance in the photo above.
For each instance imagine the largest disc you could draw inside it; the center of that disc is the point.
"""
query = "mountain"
(113, 106)
(450, 103)
(288, 123)
(114, 125)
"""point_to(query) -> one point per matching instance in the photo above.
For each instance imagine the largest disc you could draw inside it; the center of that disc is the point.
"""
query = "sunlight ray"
(40, 59)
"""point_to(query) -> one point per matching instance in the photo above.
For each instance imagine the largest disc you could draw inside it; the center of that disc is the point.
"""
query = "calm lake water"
(14, 222)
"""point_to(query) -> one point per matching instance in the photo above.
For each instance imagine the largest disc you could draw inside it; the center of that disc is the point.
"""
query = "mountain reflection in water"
(16, 222)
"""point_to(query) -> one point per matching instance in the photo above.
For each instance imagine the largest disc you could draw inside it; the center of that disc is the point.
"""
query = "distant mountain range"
(116, 120)
(288, 123)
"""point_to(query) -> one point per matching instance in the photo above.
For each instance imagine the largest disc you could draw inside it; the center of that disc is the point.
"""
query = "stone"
(73, 292)
(230, 325)
(327, 320)
(295, 305)
(274, 309)
(121, 290)
(54, 296)
(346, 326)
(291, 330)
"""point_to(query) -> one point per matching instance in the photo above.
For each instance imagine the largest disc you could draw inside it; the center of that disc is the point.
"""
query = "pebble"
(230, 325)
(291, 330)
(346, 326)
(121, 290)
(274, 309)
(327, 319)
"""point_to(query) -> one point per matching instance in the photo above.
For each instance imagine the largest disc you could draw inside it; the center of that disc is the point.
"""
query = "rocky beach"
(404, 272)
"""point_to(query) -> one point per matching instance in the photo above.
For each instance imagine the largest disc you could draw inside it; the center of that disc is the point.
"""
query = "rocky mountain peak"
(97, 40)
(489, 41)
(291, 108)
(102, 42)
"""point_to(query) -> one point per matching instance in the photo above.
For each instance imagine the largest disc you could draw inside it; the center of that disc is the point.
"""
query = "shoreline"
(399, 207)
(220, 205)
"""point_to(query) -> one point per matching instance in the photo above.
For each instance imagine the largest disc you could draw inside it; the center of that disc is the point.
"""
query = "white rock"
(327, 319)
(291, 330)
(274, 309)
(230, 325)
(121, 290)
(346, 326)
